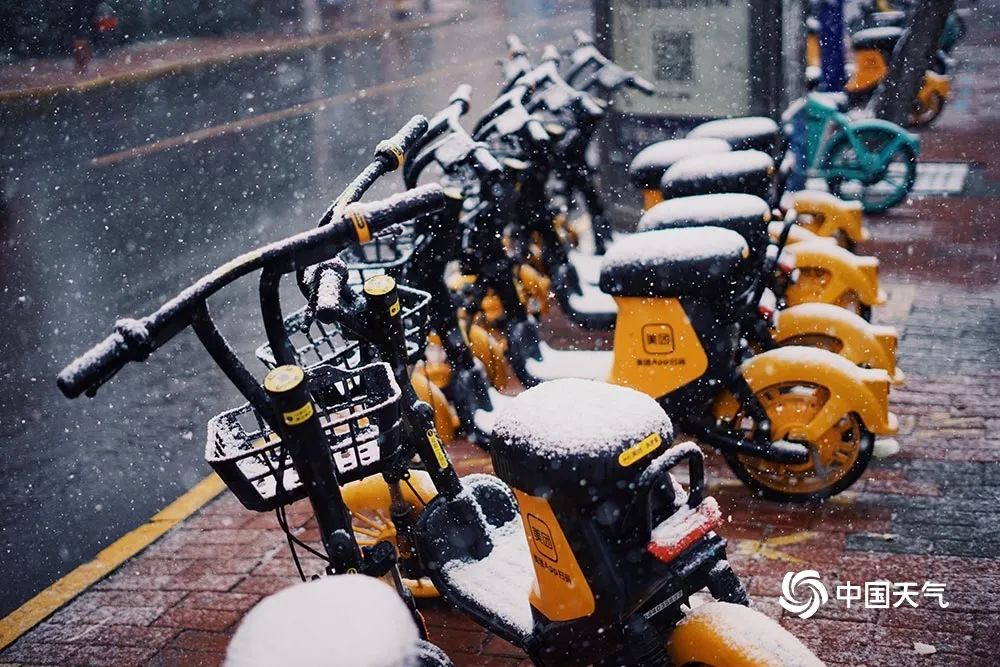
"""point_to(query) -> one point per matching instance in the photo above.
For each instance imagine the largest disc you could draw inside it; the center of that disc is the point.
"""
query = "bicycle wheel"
(369, 502)
(836, 459)
(878, 187)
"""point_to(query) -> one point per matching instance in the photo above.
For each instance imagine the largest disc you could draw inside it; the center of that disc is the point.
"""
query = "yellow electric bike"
(872, 50)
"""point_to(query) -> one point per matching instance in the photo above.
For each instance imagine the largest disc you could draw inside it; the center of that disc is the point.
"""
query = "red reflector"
(767, 305)
(683, 528)
(786, 262)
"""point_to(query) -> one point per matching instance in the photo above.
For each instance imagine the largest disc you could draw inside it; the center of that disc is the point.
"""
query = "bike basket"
(318, 343)
(359, 412)
(383, 254)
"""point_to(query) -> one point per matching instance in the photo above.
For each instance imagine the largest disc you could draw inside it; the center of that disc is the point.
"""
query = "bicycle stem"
(385, 327)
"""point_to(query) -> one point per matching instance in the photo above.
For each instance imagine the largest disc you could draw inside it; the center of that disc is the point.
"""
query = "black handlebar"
(134, 340)
(395, 148)
(603, 73)
(129, 342)
(462, 95)
(641, 84)
(389, 156)
(551, 54)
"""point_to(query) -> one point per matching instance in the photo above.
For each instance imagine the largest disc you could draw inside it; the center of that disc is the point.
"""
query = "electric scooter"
(872, 50)
(781, 416)
(471, 537)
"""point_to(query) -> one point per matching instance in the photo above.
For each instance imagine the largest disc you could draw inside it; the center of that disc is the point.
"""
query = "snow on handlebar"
(134, 340)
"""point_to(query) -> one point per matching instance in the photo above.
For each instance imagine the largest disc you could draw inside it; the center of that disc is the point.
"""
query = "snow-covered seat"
(747, 133)
(559, 433)
(341, 621)
(882, 39)
(648, 165)
(747, 172)
(676, 262)
(747, 215)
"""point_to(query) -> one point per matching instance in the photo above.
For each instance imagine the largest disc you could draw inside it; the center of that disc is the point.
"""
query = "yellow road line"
(768, 547)
(157, 71)
(40, 607)
(298, 110)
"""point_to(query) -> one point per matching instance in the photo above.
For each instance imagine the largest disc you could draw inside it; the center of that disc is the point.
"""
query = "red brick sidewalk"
(930, 513)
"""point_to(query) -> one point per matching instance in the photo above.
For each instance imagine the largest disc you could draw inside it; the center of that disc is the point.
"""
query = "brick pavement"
(929, 513)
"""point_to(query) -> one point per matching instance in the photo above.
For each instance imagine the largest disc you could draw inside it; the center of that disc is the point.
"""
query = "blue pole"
(831, 45)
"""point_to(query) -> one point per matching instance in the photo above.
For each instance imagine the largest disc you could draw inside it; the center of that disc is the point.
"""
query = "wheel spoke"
(370, 532)
(373, 522)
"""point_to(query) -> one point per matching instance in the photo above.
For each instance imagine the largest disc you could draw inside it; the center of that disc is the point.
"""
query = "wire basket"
(359, 413)
(318, 343)
(383, 254)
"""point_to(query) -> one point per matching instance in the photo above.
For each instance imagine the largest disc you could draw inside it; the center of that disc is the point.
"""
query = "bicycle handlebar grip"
(369, 219)
(590, 106)
(486, 163)
(393, 150)
(537, 132)
(129, 342)
(642, 85)
(515, 46)
(582, 38)
(462, 95)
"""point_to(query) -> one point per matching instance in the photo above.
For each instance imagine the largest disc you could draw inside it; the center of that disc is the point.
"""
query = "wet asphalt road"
(84, 243)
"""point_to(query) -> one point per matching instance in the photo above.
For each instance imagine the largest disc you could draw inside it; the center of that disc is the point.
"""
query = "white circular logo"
(814, 588)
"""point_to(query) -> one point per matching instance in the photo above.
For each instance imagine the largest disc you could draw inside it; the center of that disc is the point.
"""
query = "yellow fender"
(535, 287)
(860, 342)
(490, 352)
(729, 635)
(796, 234)
(864, 391)
(439, 372)
(445, 418)
(491, 307)
(828, 273)
(650, 198)
(934, 92)
(869, 70)
(939, 84)
(369, 501)
(826, 215)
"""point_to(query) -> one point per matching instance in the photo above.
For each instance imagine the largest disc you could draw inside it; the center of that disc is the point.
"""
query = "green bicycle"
(872, 161)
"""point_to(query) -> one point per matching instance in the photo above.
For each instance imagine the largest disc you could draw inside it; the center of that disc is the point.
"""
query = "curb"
(63, 590)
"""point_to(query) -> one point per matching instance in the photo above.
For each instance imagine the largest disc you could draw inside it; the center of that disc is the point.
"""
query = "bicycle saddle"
(747, 215)
(740, 171)
(892, 18)
(758, 133)
(883, 39)
(648, 165)
(703, 261)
